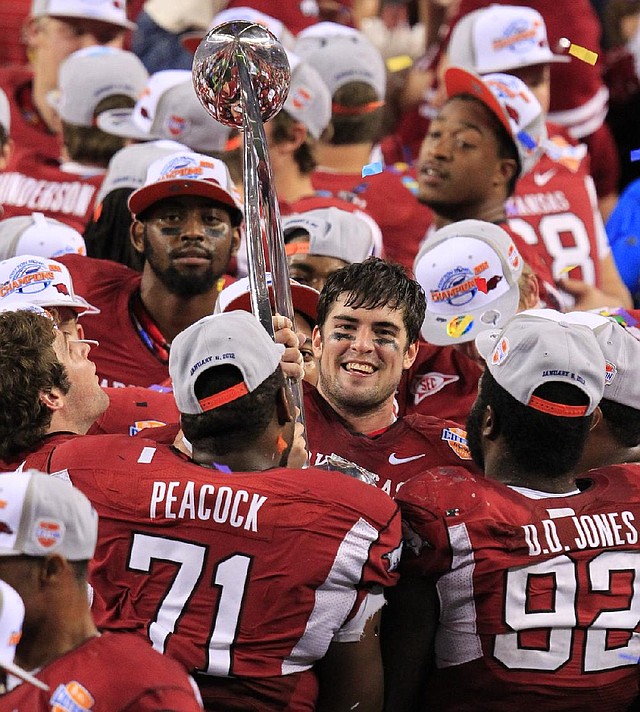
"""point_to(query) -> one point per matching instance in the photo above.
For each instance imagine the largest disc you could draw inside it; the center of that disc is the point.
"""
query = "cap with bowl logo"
(113, 12)
(341, 55)
(128, 166)
(238, 296)
(168, 108)
(469, 271)
(11, 618)
(185, 173)
(43, 515)
(309, 99)
(499, 38)
(36, 280)
(233, 338)
(512, 102)
(530, 351)
(36, 234)
(332, 233)
(91, 75)
(620, 348)
(191, 40)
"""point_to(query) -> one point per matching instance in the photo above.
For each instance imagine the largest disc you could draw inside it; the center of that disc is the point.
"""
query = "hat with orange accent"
(112, 12)
(512, 102)
(168, 108)
(37, 280)
(238, 296)
(532, 350)
(45, 514)
(11, 618)
(185, 173)
(234, 338)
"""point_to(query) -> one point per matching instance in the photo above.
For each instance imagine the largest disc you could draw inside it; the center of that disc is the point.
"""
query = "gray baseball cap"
(43, 514)
(168, 108)
(92, 74)
(469, 272)
(37, 234)
(309, 99)
(128, 166)
(620, 349)
(332, 233)
(531, 350)
(113, 12)
(233, 338)
(499, 38)
(341, 55)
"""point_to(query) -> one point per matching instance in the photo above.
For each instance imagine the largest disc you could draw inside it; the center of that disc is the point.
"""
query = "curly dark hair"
(29, 367)
(373, 284)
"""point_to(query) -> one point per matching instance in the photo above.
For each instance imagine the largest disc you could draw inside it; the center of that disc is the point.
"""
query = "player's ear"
(136, 235)
(316, 342)
(410, 355)
(52, 399)
(507, 169)
(490, 427)
(596, 418)
(285, 408)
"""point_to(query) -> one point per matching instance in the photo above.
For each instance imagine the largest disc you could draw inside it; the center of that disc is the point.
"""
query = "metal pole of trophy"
(241, 75)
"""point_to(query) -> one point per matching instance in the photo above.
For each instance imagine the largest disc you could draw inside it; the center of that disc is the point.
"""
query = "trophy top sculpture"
(216, 74)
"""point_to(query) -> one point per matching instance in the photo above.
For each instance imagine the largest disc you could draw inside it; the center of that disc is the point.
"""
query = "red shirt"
(134, 409)
(442, 382)
(390, 198)
(411, 445)
(554, 210)
(538, 607)
(122, 358)
(115, 672)
(243, 574)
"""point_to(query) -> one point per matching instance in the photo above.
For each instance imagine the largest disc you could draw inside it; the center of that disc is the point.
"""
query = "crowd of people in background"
(419, 492)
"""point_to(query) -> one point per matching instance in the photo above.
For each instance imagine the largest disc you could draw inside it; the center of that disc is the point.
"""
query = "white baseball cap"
(36, 280)
(5, 113)
(499, 38)
(530, 351)
(233, 338)
(11, 619)
(168, 108)
(92, 74)
(620, 349)
(128, 166)
(309, 99)
(185, 173)
(45, 515)
(341, 55)
(238, 296)
(36, 234)
(191, 40)
(113, 12)
(512, 102)
(469, 272)
(332, 233)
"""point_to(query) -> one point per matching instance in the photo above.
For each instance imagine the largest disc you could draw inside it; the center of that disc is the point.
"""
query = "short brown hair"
(305, 154)
(89, 144)
(28, 367)
(360, 127)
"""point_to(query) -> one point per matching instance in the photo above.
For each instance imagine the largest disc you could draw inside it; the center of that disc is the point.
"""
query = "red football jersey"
(538, 596)
(115, 672)
(390, 198)
(246, 575)
(411, 445)
(36, 186)
(555, 210)
(442, 382)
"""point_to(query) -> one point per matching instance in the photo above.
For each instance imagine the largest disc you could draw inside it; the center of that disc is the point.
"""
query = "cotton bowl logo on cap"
(49, 533)
(177, 125)
(500, 352)
(181, 167)
(519, 36)
(29, 278)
